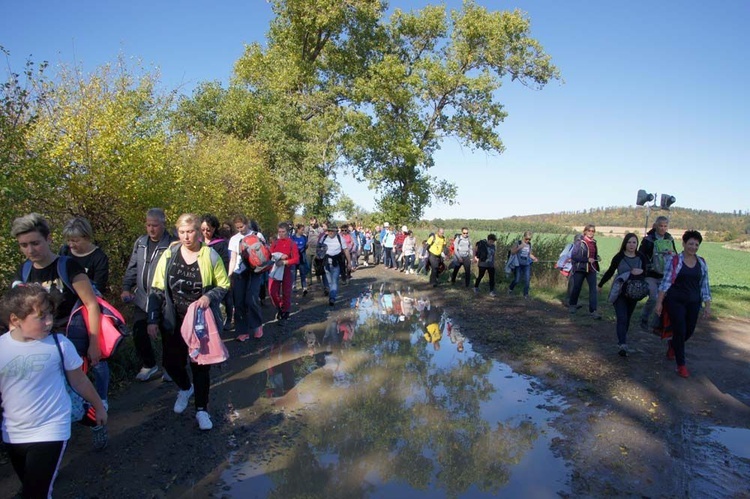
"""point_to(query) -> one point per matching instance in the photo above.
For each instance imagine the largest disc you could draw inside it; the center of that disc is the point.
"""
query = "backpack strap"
(62, 271)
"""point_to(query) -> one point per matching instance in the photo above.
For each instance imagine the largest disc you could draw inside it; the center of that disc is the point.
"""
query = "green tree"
(21, 95)
(340, 89)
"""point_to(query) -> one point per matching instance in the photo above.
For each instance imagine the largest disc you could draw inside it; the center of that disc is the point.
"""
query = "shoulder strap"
(62, 271)
(26, 270)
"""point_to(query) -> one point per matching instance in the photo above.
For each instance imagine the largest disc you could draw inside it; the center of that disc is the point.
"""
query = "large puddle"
(395, 403)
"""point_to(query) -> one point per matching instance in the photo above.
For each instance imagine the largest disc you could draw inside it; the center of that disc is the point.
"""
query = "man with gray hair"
(136, 286)
(658, 247)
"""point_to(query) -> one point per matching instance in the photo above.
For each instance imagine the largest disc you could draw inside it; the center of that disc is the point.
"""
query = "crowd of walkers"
(185, 288)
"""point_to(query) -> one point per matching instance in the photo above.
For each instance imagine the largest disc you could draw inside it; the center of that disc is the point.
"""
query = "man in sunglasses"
(463, 252)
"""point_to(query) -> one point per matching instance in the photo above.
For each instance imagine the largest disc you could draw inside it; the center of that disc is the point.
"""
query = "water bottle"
(201, 331)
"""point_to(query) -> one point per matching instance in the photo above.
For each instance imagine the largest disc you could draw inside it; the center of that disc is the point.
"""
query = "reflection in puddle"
(718, 463)
(736, 440)
(396, 403)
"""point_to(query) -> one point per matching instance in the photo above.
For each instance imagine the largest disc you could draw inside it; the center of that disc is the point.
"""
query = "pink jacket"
(209, 351)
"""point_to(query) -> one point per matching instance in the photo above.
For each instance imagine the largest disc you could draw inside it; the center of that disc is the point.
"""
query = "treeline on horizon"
(718, 226)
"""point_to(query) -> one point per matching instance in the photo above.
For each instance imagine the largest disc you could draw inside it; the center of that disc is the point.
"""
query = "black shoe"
(284, 316)
(325, 292)
(331, 302)
(278, 314)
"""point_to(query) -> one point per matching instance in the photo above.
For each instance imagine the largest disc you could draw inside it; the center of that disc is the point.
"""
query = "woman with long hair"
(629, 264)
(211, 232)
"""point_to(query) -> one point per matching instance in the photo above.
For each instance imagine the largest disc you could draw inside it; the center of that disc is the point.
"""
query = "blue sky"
(654, 93)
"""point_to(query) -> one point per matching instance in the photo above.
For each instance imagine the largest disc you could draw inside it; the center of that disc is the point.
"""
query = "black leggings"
(142, 340)
(175, 363)
(36, 465)
(684, 317)
(490, 272)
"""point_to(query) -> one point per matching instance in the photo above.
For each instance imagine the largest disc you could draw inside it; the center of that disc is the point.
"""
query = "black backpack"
(481, 250)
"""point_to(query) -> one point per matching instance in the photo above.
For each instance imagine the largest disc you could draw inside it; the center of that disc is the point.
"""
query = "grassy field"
(728, 273)
(729, 270)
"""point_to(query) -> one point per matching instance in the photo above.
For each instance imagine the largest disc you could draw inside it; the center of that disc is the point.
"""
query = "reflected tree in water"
(392, 415)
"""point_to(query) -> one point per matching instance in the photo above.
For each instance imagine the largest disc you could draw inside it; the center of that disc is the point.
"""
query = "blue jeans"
(522, 274)
(302, 266)
(624, 308)
(333, 270)
(578, 278)
(388, 259)
(409, 262)
(101, 379)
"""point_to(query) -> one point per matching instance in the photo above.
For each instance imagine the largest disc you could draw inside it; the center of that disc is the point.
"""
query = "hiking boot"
(146, 373)
(165, 377)
(623, 350)
(259, 332)
(670, 350)
(204, 420)
(100, 437)
(596, 315)
(182, 400)
(331, 302)
(682, 371)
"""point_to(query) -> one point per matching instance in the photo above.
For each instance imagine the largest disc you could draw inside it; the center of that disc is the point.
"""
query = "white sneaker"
(146, 373)
(182, 400)
(204, 420)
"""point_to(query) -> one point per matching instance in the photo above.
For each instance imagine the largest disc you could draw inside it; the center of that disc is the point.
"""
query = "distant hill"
(721, 226)
(703, 220)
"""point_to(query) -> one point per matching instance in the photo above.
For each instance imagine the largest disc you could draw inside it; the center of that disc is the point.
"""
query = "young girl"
(36, 405)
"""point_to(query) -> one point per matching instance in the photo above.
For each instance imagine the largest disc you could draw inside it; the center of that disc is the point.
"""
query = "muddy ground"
(630, 427)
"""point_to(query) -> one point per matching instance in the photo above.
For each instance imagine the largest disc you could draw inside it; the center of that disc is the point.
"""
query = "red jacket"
(288, 247)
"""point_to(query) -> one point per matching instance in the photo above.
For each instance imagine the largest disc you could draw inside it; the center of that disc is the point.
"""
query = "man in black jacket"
(136, 285)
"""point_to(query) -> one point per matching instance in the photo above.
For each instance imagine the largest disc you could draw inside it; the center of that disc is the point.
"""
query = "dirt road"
(631, 427)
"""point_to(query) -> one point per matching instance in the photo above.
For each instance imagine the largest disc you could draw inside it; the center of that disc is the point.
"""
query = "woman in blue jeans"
(522, 250)
(628, 259)
(585, 259)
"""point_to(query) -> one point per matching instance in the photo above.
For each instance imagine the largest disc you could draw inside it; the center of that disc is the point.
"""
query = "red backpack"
(255, 253)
